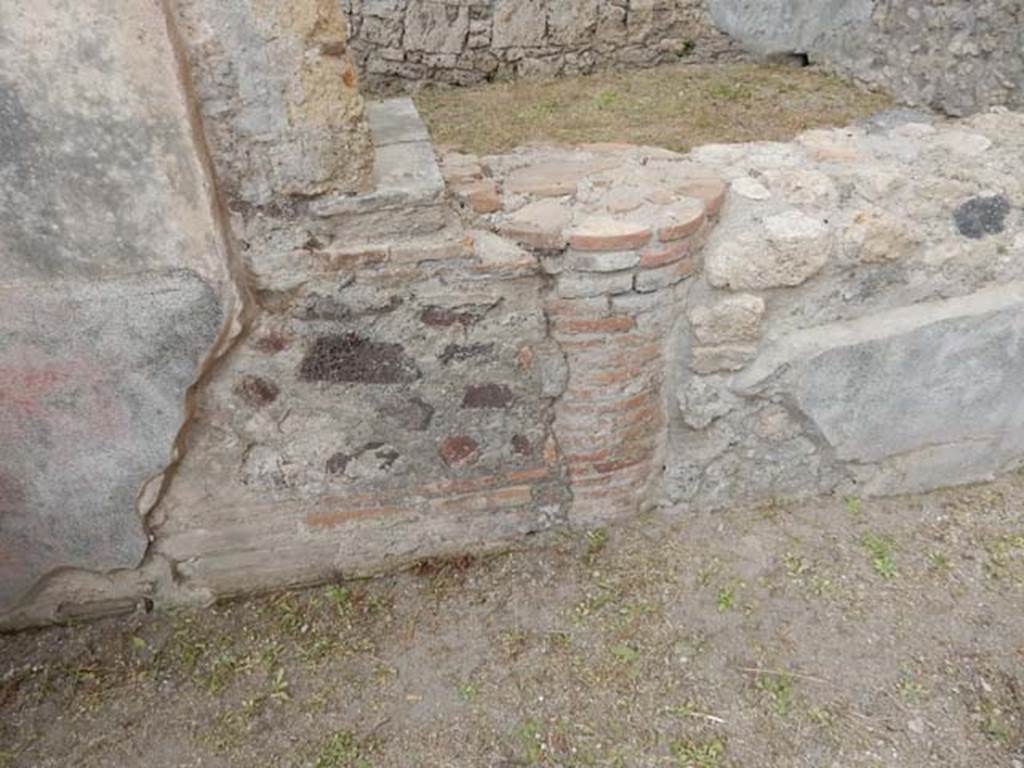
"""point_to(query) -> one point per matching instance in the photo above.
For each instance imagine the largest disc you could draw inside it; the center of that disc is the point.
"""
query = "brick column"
(614, 307)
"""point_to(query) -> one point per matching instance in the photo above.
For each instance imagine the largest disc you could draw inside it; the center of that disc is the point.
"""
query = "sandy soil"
(829, 633)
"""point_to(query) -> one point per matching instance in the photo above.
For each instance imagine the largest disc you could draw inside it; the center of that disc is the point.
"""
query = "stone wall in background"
(958, 56)
(397, 43)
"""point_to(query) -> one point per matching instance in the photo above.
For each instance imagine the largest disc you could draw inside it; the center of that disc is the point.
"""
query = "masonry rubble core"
(339, 363)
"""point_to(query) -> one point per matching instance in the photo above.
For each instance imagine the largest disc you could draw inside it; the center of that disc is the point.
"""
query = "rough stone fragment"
(704, 399)
(962, 143)
(571, 285)
(982, 216)
(435, 27)
(487, 396)
(349, 358)
(876, 236)
(599, 233)
(750, 189)
(257, 391)
(832, 145)
(494, 252)
(611, 261)
(795, 248)
(729, 320)
(459, 450)
(649, 280)
(444, 317)
(804, 187)
(521, 445)
(463, 352)
(414, 414)
(518, 23)
(371, 462)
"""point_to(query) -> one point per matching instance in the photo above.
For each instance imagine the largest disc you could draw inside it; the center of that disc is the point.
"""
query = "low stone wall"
(587, 333)
(854, 324)
(958, 57)
(858, 326)
(214, 392)
(398, 43)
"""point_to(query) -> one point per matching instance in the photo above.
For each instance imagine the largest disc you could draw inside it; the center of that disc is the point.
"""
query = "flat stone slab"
(92, 383)
(939, 382)
(405, 169)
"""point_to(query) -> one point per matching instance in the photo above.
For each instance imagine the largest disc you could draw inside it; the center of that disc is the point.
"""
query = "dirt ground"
(835, 632)
(674, 106)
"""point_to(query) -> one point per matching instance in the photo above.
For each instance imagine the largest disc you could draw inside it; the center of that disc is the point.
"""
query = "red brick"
(571, 346)
(614, 324)
(683, 219)
(480, 194)
(588, 458)
(603, 234)
(632, 461)
(339, 517)
(433, 250)
(465, 485)
(666, 253)
(712, 191)
(650, 280)
(583, 307)
(483, 501)
(337, 261)
(538, 225)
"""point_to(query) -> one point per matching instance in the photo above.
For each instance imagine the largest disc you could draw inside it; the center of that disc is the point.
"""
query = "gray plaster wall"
(958, 56)
(114, 283)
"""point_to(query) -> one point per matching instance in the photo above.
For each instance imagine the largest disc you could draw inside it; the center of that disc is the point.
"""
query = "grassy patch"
(778, 689)
(880, 550)
(688, 753)
(674, 106)
(341, 750)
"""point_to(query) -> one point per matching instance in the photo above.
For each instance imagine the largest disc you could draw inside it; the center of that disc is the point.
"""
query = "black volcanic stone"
(982, 216)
